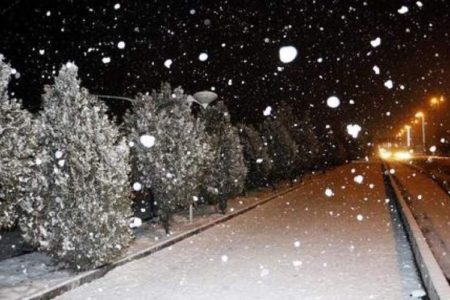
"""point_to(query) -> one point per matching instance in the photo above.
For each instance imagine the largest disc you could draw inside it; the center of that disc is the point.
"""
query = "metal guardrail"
(433, 278)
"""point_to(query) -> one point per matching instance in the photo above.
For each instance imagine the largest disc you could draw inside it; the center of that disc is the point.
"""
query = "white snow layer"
(252, 255)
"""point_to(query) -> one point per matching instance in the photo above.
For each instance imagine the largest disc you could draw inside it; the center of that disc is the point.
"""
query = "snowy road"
(303, 245)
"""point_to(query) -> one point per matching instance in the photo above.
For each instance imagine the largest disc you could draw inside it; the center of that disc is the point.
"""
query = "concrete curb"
(90, 276)
(435, 282)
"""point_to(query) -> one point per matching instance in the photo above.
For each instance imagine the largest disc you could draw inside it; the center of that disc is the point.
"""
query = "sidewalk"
(34, 275)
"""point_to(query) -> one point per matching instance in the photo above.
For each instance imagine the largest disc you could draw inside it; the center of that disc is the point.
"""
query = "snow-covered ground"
(431, 208)
(331, 239)
(25, 275)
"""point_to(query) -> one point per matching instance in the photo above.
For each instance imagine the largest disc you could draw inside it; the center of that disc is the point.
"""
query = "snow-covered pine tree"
(281, 147)
(257, 160)
(78, 204)
(169, 149)
(303, 133)
(16, 149)
(229, 171)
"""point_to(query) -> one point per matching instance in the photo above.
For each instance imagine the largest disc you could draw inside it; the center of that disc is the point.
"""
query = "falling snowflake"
(403, 10)
(297, 244)
(353, 130)
(259, 160)
(58, 154)
(360, 217)
(137, 186)
(297, 263)
(376, 70)
(376, 42)
(168, 63)
(135, 222)
(433, 149)
(287, 54)
(117, 6)
(267, 111)
(389, 84)
(333, 102)
(147, 141)
(358, 179)
(121, 45)
(264, 272)
(203, 56)
(329, 192)
(224, 258)
(106, 60)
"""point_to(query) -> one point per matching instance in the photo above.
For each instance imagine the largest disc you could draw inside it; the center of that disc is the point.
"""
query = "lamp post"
(204, 98)
(421, 115)
(408, 136)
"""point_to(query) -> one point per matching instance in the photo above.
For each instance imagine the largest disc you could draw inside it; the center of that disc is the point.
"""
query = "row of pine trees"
(68, 174)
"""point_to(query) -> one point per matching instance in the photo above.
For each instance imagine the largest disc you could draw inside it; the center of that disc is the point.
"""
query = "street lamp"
(435, 102)
(408, 135)
(421, 115)
(204, 98)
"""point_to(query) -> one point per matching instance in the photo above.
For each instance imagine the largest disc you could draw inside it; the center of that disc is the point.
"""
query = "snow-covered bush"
(169, 149)
(228, 173)
(281, 147)
(16, 149)
(78, 202)
(257, 160)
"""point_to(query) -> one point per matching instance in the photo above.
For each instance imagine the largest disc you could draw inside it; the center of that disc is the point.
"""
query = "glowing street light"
(421, 115)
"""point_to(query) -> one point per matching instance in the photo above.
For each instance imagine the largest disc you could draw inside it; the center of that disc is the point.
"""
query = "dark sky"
(242, 39)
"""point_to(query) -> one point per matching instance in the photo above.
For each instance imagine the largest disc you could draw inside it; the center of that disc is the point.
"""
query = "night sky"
(242, 40)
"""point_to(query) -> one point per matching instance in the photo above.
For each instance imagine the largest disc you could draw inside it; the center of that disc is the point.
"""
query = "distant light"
(403, 10)
(333, 102)
(203, 56)
(402, 155)
(121, 45)
(287, 54)
(384, 154)
(376, 42)
(168, 63)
